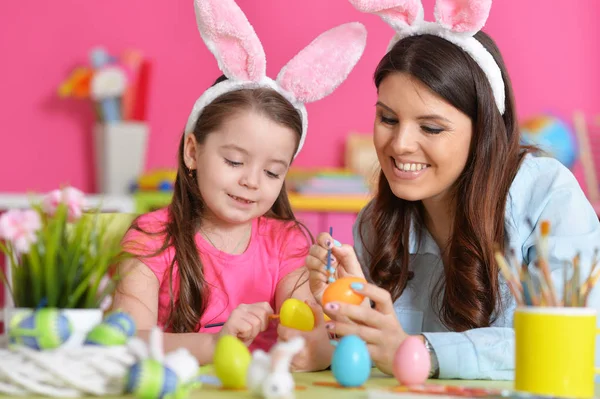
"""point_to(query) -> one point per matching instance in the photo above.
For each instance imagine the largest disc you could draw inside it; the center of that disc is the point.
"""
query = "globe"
(553, 136)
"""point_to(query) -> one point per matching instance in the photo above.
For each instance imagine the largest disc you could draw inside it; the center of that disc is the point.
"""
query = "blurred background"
(97, 92)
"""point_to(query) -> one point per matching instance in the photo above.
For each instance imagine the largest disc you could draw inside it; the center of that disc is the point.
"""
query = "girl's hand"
(317, 352)
(378, 327)
(247, 321)
(344, 261)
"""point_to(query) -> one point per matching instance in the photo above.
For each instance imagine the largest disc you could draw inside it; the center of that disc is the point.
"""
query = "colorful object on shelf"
(351, 362)
(77, 84)
(412, 362)
(296, 314)
(326, 182)
(117, 85)
(340, 291)
(553, 136)
(115, 329)
(156, 180)
(41, 329)
(231, 361)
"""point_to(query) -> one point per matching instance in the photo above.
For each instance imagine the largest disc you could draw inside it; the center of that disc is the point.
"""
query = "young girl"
(228, 250)
(454, 183)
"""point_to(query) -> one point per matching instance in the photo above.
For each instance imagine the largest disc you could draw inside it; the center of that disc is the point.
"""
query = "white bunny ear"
(325, 63)
(230, 37)
(399, 14)
(467, 16)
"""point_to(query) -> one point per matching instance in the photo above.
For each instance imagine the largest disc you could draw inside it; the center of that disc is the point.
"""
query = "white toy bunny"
(269, 373)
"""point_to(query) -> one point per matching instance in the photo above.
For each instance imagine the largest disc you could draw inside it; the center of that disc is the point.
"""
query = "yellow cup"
(555, 351)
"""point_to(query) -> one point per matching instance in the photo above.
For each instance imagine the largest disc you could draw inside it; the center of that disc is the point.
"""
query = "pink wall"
(552, 54)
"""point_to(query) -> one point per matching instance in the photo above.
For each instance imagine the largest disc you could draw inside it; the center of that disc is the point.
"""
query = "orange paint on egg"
(340, 291)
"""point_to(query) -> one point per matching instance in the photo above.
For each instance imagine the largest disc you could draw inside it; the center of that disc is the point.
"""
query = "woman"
(455, 185)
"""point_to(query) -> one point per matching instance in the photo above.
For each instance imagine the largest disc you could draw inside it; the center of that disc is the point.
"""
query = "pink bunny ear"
(462, 15)
(324, 64)
(399, 14)
(230, 37)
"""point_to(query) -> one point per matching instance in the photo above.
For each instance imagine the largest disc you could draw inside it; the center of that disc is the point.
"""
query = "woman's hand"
(317, 351)
(378, 327)
(344, 262)
(247, 321)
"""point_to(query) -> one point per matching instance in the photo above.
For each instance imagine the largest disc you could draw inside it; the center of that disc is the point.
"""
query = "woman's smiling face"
(422, 141)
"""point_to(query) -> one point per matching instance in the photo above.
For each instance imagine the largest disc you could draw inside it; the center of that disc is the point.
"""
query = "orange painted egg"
(340, 291)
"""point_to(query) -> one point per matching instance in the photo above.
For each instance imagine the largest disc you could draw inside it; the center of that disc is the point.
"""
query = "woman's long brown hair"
(187, 207)
(468, 295)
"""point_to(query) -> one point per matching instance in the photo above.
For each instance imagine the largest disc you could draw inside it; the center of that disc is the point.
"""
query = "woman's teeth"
(410, 167)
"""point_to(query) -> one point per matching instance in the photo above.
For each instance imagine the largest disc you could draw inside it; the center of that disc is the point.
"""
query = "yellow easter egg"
(231, 361)
(296, 314)
(340, 291)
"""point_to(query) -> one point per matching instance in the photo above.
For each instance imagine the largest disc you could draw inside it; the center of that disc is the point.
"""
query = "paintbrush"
(529, 296)
(587, 287)
(574, 289)
(590, 281)
(505, 269)
(565, 295)
(542, 263)
(330, 270)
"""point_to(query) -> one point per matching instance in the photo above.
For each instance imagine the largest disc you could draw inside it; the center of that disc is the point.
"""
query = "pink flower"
(73, 198)
(19, 227)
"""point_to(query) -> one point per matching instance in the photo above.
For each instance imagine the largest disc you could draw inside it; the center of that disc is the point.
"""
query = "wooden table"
(307, 388)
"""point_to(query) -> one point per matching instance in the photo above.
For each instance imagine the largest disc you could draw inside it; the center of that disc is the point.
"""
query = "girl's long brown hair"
(187, 207)
(469, 294)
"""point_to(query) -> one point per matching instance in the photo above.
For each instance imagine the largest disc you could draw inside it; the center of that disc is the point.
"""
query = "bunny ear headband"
(312, 74)
(456, 21)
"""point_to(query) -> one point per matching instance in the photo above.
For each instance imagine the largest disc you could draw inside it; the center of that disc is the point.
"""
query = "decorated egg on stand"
(231, 361)
(412, 362)
(45, 328)
(121, 320)
(340, 291)
(150, 379)
(115, 330)
(351, 362)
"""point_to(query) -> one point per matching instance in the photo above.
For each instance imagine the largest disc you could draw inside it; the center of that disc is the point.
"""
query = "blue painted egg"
(150, 379)
(351, 362)
(122, 321)
(105, 334)
(45, 328)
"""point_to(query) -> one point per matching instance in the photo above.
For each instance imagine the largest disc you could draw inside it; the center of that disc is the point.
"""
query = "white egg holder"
(87, 370)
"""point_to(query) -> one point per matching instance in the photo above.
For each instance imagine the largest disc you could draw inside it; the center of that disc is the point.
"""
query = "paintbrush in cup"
(542, 263)
(511, 281)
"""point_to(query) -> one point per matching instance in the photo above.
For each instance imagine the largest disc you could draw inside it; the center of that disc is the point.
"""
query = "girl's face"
(241, 166)
(422, 141)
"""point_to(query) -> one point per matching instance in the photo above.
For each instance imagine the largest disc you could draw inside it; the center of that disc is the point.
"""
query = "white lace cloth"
(85, 370)
(82, 371)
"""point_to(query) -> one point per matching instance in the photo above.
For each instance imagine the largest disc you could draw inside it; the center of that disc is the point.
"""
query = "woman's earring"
(190, 172)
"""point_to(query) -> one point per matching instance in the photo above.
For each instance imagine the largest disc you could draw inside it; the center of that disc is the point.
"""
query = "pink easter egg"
(412, 362)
